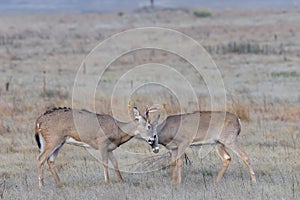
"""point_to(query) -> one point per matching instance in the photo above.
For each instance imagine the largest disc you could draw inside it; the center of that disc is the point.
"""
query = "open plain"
(258, 57)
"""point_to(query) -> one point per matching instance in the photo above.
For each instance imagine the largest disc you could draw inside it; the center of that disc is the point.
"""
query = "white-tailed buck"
(219, 128)
(81, 127)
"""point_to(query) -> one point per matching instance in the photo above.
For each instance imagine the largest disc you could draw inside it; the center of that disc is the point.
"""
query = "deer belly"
(204, 142)
(72, 141)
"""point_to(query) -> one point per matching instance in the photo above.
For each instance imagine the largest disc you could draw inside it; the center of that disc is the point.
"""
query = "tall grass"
(240, 47)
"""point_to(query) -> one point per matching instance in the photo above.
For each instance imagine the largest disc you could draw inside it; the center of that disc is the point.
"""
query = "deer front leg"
(181, 149)
(104, 154)
(173, 164)
(115, 164)
(179, 164)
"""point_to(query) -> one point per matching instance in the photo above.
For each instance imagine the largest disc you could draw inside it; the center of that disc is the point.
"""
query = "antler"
(153, 108)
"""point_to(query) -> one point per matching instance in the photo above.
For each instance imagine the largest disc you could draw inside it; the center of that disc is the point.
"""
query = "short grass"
(272, 144)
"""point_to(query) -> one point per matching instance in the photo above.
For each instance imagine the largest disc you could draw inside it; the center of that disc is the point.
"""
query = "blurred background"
(77, 6)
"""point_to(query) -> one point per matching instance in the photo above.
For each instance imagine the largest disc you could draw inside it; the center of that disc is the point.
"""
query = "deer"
(217, 128)
(102, 132)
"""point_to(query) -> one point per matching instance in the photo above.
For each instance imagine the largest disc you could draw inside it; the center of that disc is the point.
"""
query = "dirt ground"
(257, 54)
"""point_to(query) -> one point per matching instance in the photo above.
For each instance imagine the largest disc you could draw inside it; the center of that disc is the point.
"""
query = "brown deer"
(83, 128)
(213, 127)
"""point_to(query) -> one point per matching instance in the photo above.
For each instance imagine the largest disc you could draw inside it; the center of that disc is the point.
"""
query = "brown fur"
(99, 131)
(220, 128)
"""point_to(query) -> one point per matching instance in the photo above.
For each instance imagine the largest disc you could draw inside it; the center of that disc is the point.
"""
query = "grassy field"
(257, 53)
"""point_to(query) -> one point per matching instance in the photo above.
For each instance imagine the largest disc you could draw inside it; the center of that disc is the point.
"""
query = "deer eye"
(148, 127)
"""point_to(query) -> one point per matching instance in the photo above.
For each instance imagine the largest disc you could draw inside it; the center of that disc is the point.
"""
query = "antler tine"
(146, 114)
(154, 108)
(150, 109)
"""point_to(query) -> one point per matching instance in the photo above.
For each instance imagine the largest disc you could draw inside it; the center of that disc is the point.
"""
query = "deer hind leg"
(235, 147)
(51, 161)
(225, 157)
(46, 153)
(115, 164)
(40, 141)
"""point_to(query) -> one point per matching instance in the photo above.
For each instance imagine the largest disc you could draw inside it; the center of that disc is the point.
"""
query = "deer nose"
(156, 149)
(150, 141)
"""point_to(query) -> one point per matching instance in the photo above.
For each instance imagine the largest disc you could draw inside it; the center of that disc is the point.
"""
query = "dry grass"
(269, 111)
(242, 110)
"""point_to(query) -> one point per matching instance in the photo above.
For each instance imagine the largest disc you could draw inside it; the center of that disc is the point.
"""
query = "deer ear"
(136, 113)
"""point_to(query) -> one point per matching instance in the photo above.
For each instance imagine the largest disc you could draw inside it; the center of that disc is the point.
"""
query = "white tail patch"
(42, 142)
(38, 126)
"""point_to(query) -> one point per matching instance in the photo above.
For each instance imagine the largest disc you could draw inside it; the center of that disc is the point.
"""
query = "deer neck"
(161, 133)
(127, 128)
